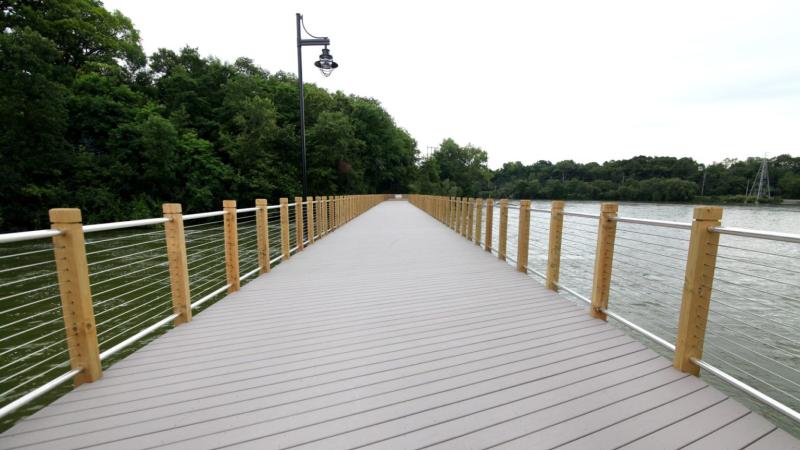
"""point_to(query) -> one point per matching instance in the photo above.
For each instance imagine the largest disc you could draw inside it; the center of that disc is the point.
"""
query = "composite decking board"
(733, 434)
(393, 332)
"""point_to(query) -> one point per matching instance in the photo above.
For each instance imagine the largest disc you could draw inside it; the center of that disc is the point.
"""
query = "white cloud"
(585, 80)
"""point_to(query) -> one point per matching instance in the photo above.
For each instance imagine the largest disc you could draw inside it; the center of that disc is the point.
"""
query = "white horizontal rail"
(244, 210)
(127, 342)
(577, 214)
(273, 207)
(27, 236)
(38, 392)
(203, 215)
(125, 224)
(210, 296)
(758, 234)
(250, 274)
(655, 223)
(753, 392)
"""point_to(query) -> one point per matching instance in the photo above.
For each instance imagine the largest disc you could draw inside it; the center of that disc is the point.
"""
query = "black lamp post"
(326, 66)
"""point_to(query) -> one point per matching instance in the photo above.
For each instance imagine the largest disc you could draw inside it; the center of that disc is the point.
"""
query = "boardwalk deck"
(395, 332)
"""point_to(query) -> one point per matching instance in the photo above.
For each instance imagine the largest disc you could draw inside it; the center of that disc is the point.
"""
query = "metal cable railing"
(127, 281)
(754, 314)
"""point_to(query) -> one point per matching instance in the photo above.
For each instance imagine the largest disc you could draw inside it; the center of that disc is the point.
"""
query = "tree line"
(90, 121)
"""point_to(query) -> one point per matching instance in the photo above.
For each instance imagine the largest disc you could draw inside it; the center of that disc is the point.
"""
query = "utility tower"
(760, 187)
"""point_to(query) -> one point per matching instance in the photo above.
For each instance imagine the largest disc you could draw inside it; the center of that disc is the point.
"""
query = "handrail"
(125, 224)
(27, 236)
(758, 234)
(203, 215)
(655, 223)
(701, 259)
(327, 216)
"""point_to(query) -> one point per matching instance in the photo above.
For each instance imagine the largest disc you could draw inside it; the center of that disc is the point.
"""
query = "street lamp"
(326, 66)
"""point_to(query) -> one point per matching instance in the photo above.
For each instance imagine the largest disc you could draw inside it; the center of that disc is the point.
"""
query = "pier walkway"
(395, 332)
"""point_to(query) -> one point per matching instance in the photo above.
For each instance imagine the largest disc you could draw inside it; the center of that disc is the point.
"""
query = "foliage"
(90, 122)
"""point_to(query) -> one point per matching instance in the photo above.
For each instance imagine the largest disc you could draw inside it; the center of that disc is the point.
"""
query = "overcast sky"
(583, 80)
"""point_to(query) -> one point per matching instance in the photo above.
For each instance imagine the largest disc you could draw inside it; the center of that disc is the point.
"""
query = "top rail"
(655, 223)
(27, 236)
(126, 224)
(203, 215)
(758, 234)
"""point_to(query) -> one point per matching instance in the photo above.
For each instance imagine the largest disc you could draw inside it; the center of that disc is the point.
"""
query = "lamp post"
(326, 66)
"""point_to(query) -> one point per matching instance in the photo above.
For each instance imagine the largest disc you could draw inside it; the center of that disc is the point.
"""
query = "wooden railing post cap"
(525, 202)
(261, 202)
(171, 208)
(707, 213)
(609, 207)
(65, 215)
(557, 204)
(284, 200)
(229, 203)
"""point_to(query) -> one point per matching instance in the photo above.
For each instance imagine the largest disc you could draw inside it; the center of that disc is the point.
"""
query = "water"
(752, 332)
(755, 311)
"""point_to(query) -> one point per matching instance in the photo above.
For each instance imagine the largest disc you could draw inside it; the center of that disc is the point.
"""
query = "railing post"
(457, 224)
(699, 278)
(603, 259)
(464, 216)
(298, 223)
(451, 211)
(503, 231)
(454, 211)
(326, 212)
(69, 250)
(310, 219)
(478, 220)
(487, 242)
(178, 263)
(262, 235)
(523, 235)
(285, 253)
(470, 217)
(554, 244)
(318, 217)
(231, 245)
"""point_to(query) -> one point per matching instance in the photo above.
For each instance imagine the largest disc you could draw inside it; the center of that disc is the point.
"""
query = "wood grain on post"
(318, 216)
(285, 253)
(298, 223)
(69, 250)
(487, 241)
(554, 245)
(503, 231)
(310, 219)
(262, 235)
(457, 220)
(603, 259)
(470, 217)
(178, 263)
(523, 235)
(231, 245)
(478, 220)
(699, 278)
(464, 208)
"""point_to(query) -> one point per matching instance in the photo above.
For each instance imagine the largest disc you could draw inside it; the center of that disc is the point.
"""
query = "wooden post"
(318, 217)
(69, 250)
(470, 217)
(503, 232)
(554, 244)
(478, 220)
(298, 223)
(285, 253)
(457, 222)
(178, 263)
(523, 235)
(699, 278)
(325, 211)
(603, 259)
(487, 242)
(310, 219)
(464, 208)
(262, 235)
(231, 245)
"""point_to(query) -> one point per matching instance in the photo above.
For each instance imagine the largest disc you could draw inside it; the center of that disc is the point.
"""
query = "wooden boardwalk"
(394, 332)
